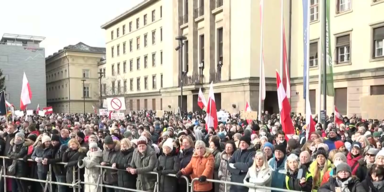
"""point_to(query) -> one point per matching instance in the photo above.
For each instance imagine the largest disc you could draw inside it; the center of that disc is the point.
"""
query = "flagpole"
(320, 60)
(261, 59)
(324, 47)
(281, 37)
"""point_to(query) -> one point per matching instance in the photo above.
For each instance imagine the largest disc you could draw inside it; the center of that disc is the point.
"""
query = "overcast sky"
(61, 22)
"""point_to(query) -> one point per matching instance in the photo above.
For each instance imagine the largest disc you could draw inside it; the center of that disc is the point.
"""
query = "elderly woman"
(18, 150)
(143, 161)
(260, 173)
(366, 164)
(168, 164)
(92, 173)
(201, 166)
(294, 181)
(122, 160)
(343, 181)
(224, 174)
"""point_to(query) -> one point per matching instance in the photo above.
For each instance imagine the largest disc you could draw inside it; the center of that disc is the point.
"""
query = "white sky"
(61, 22)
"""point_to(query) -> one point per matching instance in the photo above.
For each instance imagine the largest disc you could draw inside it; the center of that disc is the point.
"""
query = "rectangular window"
(113, 87)
(138, 84)
(153, 81)
(111, 35)
(145, 19)
(145, 40)
(123, 29)
(130, 26)
(314, 10)
(125, 86)
(137, 23)
(117, 32)
(201, 43)
(118, 68)
(113, 70)
(153, 59)
(378, 42)
(145, 83)
(220, 45)
(131, 65)
(161, 81)
(118, 50)
(161, 57)
(131, 84)
(124, 67)
(138, 63)
(145, 104)
(343, 49)
(118, 87)
(112, 51)
(153, 104)
(131, 105)
(138, 104)
(313, 49)
(130, 45)
(153, 15)
(137, 43)
(145, 61)
(86, 91)
(377, 90)
(343, 6)
(85, 73)
(124, 48)
(161, 34)
(153, 37)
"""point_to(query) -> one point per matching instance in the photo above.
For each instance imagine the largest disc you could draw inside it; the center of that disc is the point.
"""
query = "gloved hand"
(231, 165)
(179, 174)
(202, 178)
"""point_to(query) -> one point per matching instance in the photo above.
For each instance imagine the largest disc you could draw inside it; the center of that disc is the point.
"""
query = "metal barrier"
(184, 177)
(254, 186)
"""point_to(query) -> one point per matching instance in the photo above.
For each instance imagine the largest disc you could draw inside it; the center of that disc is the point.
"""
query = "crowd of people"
(339, 158)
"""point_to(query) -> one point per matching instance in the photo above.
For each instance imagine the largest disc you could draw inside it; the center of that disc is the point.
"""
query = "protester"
(260, 173)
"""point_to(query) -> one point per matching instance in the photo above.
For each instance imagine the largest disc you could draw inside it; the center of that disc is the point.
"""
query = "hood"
(98, 153)
(208, 152)
(117, 145)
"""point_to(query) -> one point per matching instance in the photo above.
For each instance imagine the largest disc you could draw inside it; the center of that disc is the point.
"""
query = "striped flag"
(283, 56)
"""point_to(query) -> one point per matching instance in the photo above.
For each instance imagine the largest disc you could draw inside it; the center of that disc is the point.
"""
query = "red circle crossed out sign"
(116, 104)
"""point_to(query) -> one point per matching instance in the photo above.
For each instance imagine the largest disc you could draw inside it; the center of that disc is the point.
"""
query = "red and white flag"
(309, 122)
(201, 102)
(94, 109)
(285, 109)
(338, 117)
(37, 109)
(26, 94)
(48, 110)
(283, 55)
(211, 118)
(248, 109)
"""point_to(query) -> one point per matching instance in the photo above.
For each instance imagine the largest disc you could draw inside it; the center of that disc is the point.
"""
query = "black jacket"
(368, 185)
(57, 156)
(124, 178)
(72, 157)
(185, 157)
(8, 146)
(353, 186)
(19, 151)
(293, 183)
(168, 164)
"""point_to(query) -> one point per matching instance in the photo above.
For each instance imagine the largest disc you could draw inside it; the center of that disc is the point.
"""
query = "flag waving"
(38, 109)
(211, 118)
(285, 109)
(201, 102)
(338, 117)
(26, 94)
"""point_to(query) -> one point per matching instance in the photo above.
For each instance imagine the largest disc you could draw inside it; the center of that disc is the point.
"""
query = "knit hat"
(376, 134)
(380, 153)
(348, 145)
(32, 137)
(142, 140)
(372, 151)
(356, 144)
(269, 145)
(127, 134)
(343, 167)
(246, 139)
(108, 140)
(321, 151)
(293, 144)
(281, 147)
(338, 144)
(21, 135)
(45, 139)
(340, 156)
(168, 143)
(55, 138)
(81, 135)
(93, 145)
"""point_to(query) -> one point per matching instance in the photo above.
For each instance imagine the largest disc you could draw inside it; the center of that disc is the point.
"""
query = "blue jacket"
(278, 173)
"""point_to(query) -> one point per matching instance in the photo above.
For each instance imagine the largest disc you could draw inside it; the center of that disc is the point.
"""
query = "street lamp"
(180, 49)
(83, 80)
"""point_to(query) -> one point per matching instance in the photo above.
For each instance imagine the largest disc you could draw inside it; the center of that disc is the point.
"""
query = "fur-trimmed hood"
(208, 152)
(117, 145)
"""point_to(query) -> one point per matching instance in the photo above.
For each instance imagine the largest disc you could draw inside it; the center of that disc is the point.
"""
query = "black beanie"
(81, 135)
(55, 137)
(321, 151)
(32, 137)
(281, 147)
(246, 139)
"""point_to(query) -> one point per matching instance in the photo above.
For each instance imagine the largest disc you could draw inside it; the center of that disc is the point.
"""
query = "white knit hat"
(380, 153)
(168, 143)
(45, 139)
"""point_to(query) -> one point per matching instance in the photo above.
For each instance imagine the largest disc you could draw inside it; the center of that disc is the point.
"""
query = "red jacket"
(353, 162)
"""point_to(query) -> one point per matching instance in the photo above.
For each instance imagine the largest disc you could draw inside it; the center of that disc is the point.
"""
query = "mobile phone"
(300, 174)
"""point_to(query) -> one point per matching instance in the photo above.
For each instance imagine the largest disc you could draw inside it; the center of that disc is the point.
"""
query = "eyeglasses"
(371, 155)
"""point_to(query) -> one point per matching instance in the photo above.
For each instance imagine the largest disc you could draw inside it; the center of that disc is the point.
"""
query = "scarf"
(343, 184)
(378, 184)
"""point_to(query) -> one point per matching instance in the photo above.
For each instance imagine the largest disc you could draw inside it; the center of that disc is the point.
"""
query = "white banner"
(103, 112)
(19, 113)
(116, 103)
(42, 113)
(118, 116)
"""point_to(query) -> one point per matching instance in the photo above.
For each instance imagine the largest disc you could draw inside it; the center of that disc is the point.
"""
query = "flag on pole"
(201, 102)
(285, 109)
(338, 117)
(262, 92)
(283, 55)
(211, 118)
(3, 106)
(328, 62)
(48, 110)
(38, 109)
(26, 94)
(248, 109)
(94, 109)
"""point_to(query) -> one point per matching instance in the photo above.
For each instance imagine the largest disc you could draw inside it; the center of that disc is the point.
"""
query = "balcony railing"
(219, 3)
(199, 11)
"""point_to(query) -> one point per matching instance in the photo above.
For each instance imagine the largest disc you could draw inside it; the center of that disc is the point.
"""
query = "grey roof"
(80, 47)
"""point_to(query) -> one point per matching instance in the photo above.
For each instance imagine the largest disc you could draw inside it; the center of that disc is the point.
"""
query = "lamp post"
(83, 80)
(101, 75)
(180, 49)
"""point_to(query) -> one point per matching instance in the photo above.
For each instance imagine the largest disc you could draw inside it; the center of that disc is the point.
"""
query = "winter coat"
(42, 152)
(185, 157)
(369, 187)
(278, 173)
(224, 174)
(328, 175)
(362, 171)
(217, 155)
(354, 185)
(201, 166)
(8, 145)
(91, 173)
(19, 151)
(72, 157)
(293, 183)
(168, 164)
(353, 162)
(109, 156)
(57, 153)
(242, 160)
(124, 178)
(262, 177)
(144, 163)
